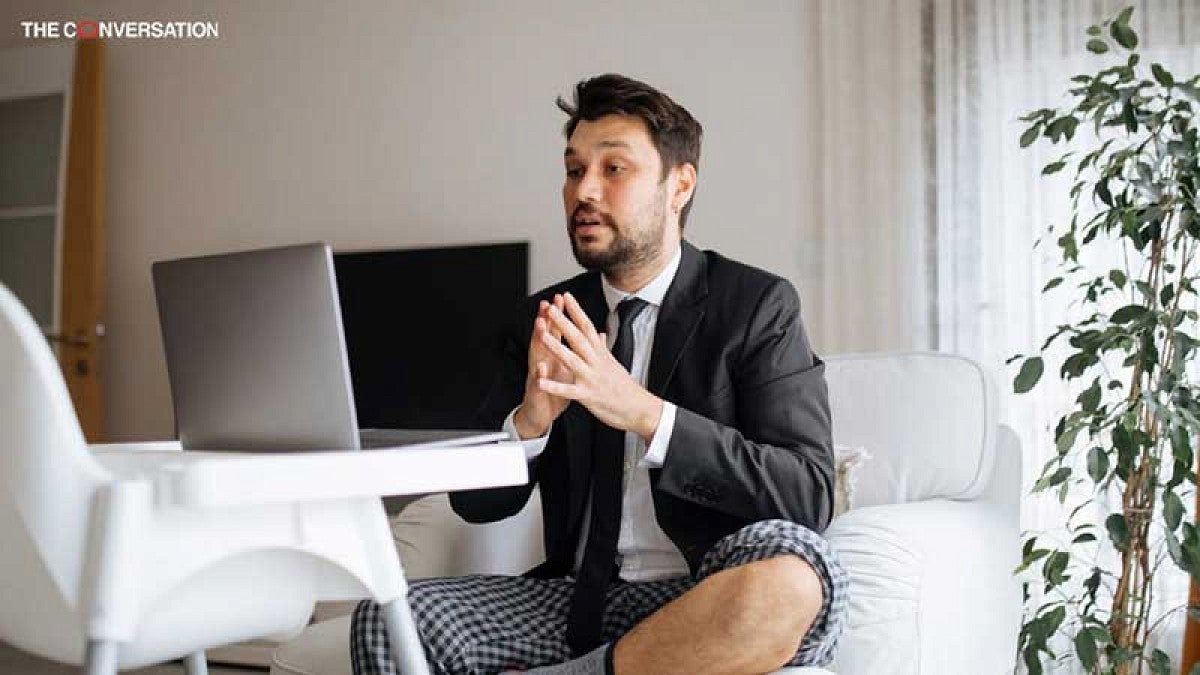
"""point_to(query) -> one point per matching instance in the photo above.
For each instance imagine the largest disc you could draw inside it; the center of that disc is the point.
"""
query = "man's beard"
(625, 252)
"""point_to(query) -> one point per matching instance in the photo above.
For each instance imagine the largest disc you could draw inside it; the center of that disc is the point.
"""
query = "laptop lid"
(255, 350)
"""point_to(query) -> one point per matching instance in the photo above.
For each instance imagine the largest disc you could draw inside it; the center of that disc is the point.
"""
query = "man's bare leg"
(748, 619)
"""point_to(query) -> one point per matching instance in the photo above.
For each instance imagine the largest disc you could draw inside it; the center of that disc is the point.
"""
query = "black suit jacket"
(752, 433)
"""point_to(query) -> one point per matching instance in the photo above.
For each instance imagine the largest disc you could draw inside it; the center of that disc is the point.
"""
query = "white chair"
(120, 556)
(930, 540)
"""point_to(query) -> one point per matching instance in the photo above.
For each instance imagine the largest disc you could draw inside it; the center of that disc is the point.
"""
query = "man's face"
(613, 195)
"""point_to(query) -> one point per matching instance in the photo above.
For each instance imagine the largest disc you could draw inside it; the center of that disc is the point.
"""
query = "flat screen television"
(423, 329)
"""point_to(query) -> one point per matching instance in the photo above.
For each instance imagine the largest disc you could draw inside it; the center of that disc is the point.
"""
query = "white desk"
(204, 479)
(219, 480)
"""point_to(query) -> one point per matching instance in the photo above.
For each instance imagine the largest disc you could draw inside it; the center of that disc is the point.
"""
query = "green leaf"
(1053, 283)
(1172, 510)
(1094, 30)
(1124, 16)
(1098, 633)
(1090, 398)
(1053, 479)
(1124, 35)
(1164, 78)
(1085, 537)
(1129, 117)
(1097, 464)
(1031, 134)
(1053, 167)
(1055, 568)
(1031, 372)
(1092, 585)
(1032, 663)
(1031, 558)
(1160, 663)
(1118, 278)
(1128, 313)
(1054, 617)
(1181, 447)
(1097, 46)
(1085, 646)
(1118, 531)
(1066, 441)
(1077, 363)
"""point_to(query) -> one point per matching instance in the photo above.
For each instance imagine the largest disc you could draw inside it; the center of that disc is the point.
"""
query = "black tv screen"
(423, 329)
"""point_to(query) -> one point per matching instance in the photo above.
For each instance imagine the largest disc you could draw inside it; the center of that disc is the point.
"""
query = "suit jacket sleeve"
(492, 504)
(776, 459)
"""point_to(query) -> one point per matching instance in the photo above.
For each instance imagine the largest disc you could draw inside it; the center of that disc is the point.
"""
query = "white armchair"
(120, 556)
(930, 540)
(934, 533)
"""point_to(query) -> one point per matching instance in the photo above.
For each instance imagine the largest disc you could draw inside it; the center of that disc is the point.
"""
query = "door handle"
(78, 339)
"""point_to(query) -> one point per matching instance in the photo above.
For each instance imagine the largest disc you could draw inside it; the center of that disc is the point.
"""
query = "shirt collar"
(653, 292)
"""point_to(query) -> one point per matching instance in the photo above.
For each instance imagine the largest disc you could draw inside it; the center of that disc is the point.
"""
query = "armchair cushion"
(929, 421)
(932, 589)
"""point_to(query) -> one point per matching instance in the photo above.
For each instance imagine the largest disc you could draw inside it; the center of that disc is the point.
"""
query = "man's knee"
(774, 601)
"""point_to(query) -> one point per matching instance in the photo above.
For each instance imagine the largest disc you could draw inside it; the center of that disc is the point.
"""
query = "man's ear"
(685, 185)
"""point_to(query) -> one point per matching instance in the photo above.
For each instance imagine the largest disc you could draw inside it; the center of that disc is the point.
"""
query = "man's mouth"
(586, 223)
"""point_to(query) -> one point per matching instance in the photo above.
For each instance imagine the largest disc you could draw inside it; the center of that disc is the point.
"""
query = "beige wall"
(382, 124)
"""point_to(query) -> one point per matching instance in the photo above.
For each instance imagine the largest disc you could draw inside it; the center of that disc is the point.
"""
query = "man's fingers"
(544, 312)
(560, 389)
(580, 344)
(540, 326)
(568, 357)
(579, 316)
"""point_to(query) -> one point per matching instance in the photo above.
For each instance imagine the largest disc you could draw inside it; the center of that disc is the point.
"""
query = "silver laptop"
(257, 359)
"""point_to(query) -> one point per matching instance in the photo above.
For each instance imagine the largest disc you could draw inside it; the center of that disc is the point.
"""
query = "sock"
(596, 662)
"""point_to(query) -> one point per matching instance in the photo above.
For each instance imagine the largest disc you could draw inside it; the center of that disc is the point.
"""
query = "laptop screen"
(423, 327)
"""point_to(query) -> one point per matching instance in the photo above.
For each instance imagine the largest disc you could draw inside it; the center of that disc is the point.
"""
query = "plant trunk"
(1129, 609)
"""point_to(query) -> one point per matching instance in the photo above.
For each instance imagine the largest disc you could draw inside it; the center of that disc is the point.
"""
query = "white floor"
(16, 662)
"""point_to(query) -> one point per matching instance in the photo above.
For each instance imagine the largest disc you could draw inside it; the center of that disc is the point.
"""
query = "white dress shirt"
(643, 549)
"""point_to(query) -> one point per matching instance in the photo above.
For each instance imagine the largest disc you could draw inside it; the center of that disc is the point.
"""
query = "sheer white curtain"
(867, 252)
(993, 204)
(930, 207)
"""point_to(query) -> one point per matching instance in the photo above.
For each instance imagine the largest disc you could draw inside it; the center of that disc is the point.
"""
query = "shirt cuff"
(656, 454)
(533, 446)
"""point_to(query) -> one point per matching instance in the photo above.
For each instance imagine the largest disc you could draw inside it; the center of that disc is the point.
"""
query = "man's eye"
(574, 173)
(613, 168)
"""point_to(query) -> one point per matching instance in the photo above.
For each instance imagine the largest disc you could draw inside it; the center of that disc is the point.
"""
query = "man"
(677, 424)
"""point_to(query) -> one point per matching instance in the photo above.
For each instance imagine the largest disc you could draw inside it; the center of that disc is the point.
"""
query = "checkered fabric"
(480, 625)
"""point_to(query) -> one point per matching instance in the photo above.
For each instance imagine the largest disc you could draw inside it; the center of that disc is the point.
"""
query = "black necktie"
(600, 553)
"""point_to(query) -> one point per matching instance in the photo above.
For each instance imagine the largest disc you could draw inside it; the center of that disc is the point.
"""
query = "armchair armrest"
(931, 588)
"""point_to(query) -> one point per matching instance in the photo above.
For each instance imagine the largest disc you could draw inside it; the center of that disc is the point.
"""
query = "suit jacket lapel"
(680, 314)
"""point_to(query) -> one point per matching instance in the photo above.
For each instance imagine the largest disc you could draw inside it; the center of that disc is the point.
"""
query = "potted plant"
(1126, 444)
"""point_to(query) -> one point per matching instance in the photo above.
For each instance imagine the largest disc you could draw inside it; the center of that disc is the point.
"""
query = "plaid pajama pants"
(484, 624)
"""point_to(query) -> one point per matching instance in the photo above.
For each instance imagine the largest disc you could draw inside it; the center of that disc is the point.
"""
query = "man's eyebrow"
(602, 144)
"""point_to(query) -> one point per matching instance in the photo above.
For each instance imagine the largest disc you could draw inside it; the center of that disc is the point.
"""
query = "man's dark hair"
(673, 130)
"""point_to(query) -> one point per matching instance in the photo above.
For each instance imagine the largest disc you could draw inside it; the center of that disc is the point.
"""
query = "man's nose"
(589, 187)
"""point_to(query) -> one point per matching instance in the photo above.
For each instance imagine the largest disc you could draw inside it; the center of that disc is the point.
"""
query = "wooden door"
(82, 326)
(51, 205)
